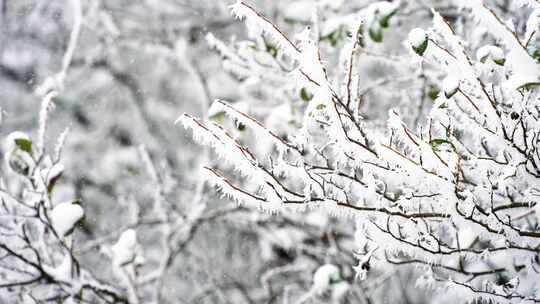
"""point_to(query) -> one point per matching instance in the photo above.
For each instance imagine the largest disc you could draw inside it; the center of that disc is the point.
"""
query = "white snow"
(466, 237)
(517, 81)
(332, 4)
(324, 276)
(64, 216)
(124, 250)
(299, 11)
(340, 290)
(279, 119)
(62, 272)
(533, 25)
(331, 25)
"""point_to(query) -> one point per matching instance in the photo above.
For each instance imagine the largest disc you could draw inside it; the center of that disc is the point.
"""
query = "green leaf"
(384, 20)
(240, 126)
(500, 61)
(19, 165)
(439, 141)
(294, 21)
(360, 37)
(375, 34)
(536, 54)
(219, 116)
(305, 95)
(320, 106)
(24, 144)
(336, 36)
(483, 59)
(436, 142)
(421, 48)
(271, 49)
(334, 278)
(132, 170)
(58, 100)
(529, 86)
(433, 92)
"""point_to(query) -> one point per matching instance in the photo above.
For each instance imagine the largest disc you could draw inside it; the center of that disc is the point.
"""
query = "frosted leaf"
(340, 290)
(139, 260)
(494, 53)
(322, 99)
(13, 137)
(64, 216)
(124, 250)
(215, 111)
(324, 276)
(19, 146)
(54, 172)
(450, 85)
(518, 81)
(418, 40)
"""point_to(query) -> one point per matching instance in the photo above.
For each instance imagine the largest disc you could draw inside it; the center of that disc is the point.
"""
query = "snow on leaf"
(324, 276)
(450, 86)
(65, 216)
(418, 40)
(124, 251)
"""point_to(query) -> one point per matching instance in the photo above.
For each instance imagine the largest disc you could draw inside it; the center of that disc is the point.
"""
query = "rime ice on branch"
(459, 197)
